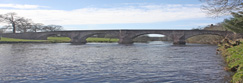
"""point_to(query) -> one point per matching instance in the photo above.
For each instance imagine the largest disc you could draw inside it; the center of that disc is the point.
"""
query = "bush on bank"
(233, 54)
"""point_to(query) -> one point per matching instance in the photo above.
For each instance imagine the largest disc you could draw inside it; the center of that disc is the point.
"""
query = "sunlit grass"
(3, 39)
(58, 40)
(67, 39)
(102, 40)
(234, 59)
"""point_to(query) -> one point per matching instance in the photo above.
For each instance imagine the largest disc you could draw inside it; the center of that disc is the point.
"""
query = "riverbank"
(232, 51)
(55, 40)
(13, 40)
(205, 39)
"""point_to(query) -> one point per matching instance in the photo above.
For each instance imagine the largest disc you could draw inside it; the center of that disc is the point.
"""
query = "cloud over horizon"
(120, 15)
(21, 6)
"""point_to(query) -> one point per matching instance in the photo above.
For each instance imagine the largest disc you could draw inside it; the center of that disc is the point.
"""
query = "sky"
(112, 14)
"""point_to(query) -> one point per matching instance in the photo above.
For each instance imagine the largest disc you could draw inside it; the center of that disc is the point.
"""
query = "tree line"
(21, 25)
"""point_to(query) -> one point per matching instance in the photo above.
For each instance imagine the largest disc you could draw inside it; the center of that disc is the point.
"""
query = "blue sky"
(112, 14)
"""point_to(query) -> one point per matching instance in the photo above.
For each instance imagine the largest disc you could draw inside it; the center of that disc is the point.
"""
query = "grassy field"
(57, 40)
(66, 39)
(102, 40)
(3, 39)
(234, 59)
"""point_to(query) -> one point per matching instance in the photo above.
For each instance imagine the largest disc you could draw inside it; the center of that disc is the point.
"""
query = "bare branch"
(217, 8)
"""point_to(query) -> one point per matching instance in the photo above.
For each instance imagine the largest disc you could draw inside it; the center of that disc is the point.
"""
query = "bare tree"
(52, 28)
(24, 25)
(216, 8)
(37, 27)
(10, 18)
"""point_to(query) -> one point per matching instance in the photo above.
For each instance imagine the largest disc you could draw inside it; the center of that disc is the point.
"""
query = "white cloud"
(19, 6)
(150, 14)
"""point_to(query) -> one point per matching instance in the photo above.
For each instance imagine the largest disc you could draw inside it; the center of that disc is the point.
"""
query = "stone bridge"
(125, 36)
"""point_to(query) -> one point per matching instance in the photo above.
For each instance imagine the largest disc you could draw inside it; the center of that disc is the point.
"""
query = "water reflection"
(152, 62)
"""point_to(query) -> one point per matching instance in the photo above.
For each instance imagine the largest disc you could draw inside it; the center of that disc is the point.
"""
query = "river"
(155, 62)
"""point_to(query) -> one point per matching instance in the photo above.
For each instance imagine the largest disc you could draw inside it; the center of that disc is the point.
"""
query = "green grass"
(234, 59)
(58, 40)
(66, 39)
(102, 40)
(3, 39)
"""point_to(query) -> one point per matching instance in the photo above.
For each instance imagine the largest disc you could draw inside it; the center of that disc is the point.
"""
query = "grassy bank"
(205, 39)
(234, 57)
(55, 40)
(66, 39)
(13, 40)
(102, 40)
(59, 39)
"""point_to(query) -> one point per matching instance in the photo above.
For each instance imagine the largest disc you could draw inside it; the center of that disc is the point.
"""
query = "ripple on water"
(153, 62)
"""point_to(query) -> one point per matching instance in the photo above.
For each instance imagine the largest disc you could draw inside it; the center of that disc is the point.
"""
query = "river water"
(155, 62)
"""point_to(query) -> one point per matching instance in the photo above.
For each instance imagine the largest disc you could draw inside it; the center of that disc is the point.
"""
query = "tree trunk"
(35, 29)
(13, 24)
(14, 28)
(25, 30)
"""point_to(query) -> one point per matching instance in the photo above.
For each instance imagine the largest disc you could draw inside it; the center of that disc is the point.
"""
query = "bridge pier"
(124, 37)
(125, 41)
(78, 41)
(179, 38)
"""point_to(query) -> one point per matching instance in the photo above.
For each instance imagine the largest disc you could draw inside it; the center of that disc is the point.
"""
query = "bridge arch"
(215, 33)
(145, 37)
(82, 38)
(90, 35)
(140, 34)
(126, 37)
(205, 39)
